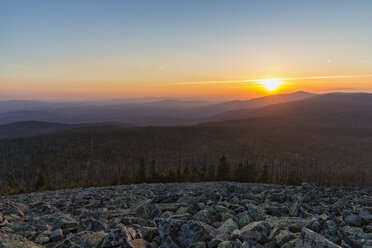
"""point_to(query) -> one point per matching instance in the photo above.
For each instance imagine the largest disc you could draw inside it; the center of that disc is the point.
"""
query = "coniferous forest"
(243, 151)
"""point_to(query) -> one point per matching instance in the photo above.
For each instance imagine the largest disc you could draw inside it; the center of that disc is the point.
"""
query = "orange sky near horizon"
(210, 90)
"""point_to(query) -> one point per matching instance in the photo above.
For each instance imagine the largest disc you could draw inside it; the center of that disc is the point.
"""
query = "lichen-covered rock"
(149, 233)
(119, 237)
(258, 226)
(317, 223)
(290, 244)
(91, 225)
(284, 237)
(182, 211)
(205, 216)
(294, 211)
(198, 245)
(353, 220)
(365, 215)
(228, 227)
(56, 235)
(83, 240)
(176, 233)
(244, 219)
(251, 244)
(311, 239)
(142, 209)
(8, 240)
(229, 244)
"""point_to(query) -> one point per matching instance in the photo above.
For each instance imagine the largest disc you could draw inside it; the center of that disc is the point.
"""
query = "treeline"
(149, 173)
(244, 152)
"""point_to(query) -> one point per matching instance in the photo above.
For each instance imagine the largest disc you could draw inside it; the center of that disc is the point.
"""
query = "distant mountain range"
(352, 110)
(347, 109)
(136, 112)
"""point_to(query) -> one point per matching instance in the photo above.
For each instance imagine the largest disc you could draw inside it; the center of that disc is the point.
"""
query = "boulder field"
(199, 215)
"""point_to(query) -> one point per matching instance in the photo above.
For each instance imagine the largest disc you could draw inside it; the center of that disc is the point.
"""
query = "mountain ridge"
(166, 112)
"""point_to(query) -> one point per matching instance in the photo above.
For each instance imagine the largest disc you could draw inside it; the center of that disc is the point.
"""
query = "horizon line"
(260, 79)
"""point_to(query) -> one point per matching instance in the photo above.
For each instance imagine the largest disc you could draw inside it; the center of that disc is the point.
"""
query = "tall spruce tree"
(223, 169)
(141, 175)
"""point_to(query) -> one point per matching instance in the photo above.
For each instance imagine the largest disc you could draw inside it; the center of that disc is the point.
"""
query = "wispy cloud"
(243, 81)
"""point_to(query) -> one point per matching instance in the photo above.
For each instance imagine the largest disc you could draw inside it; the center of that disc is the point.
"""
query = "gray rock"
(234, 200)
(8, 240)
(228, 227)
(284, 237)
(365, 216)
(236, 234)
(214, 242)
(119, 237)
(176, 233)
(205, 216)
(198, 245)
(294, 211)
(306, 186)
(142, 209)
(91, 225)
(310, 239)
(251, 244)
(354, 220)
(149, 233)
(258, 226)
(290, 244)
(83, 239)
(317, 223)
(227, 244)
(244, 219)
(56, 235)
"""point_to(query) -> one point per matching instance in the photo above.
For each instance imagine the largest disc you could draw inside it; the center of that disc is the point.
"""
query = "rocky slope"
(218, 214)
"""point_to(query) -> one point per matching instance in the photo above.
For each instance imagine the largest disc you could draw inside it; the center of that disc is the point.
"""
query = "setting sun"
(271, 84)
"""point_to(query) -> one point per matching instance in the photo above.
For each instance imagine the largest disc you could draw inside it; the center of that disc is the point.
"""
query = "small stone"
(225, 244)
(198, 245)
(149, 233)
(258, 226)
(56, 235)
(200, 205)
(83, 239)
(182, 211)
(251, 244)
(306, 186)
(214, 242)
(236, 234)
(184, 233)
(228, 227)
(137, 243)
(354, 220)
(273, 233)
(310, 239)
(284, 237)
(91, 225)
(294, 211)
(234, 200)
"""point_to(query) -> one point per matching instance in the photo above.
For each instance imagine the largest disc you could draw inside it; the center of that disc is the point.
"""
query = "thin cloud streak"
(284, 79)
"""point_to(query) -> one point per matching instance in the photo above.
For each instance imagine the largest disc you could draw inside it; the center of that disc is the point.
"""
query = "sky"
(87, 49)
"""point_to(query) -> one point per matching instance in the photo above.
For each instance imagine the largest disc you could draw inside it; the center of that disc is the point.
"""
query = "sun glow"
(271, 84)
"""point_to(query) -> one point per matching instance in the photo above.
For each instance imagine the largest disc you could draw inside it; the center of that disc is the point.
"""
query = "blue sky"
(61, 44)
